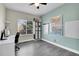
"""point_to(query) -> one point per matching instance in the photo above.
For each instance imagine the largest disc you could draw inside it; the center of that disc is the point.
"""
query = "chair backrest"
(2, 34)
(17, 37)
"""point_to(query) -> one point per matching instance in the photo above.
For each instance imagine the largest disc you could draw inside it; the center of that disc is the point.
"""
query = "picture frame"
(56, 25)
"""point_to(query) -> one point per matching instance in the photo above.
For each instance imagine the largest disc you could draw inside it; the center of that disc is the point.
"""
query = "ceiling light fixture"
(36, 4)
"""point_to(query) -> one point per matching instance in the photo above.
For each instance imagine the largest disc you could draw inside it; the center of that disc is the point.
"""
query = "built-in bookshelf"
(38, 29)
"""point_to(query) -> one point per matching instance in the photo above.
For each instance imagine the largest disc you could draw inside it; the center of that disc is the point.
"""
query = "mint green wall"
(70, 12)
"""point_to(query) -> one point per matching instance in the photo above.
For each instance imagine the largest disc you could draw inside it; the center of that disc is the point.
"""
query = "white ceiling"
(25, 7)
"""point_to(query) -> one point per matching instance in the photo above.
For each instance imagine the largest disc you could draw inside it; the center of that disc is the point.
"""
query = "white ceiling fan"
(37, 4)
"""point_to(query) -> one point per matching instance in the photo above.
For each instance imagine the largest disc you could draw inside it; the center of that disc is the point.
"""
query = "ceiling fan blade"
(31, 3)
(43, 3)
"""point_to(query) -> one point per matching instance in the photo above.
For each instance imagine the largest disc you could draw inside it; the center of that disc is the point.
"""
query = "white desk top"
(10, 39)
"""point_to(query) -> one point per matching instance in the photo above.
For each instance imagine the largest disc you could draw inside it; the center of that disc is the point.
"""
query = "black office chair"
(2, 35)
(16, 41)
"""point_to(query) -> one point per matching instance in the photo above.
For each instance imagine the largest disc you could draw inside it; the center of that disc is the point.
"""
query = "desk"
(7, 47)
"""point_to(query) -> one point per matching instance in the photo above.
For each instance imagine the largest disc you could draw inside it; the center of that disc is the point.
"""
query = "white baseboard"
(21, 41)
(69, 49)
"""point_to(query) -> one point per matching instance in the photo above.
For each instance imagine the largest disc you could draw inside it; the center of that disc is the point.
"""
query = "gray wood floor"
(42, 48)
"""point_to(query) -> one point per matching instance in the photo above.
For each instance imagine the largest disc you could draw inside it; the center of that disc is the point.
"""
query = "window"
(29, 27)
(25, 26)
